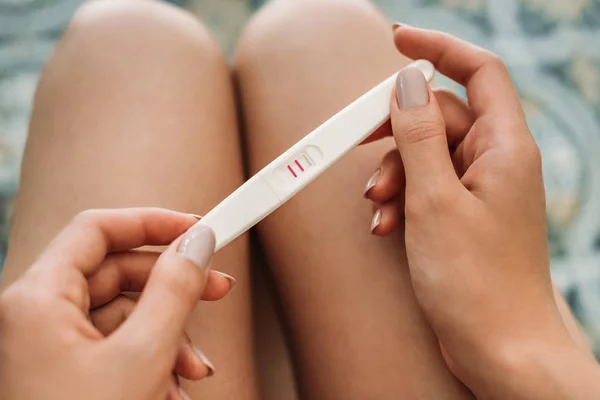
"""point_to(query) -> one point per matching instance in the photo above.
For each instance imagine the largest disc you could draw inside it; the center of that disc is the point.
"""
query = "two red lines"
(292, 170)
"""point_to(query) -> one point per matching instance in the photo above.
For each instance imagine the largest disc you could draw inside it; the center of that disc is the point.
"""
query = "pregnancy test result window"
(299, 165)
(295, 167)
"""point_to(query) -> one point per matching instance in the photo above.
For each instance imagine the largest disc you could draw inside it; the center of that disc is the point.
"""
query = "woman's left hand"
(67, 331)
(466, 187)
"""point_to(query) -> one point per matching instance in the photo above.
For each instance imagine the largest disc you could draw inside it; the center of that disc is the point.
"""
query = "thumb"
(420, 133)
(173, 289)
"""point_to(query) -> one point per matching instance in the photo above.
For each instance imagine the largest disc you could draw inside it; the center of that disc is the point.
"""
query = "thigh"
(136, 108)
(356, 329)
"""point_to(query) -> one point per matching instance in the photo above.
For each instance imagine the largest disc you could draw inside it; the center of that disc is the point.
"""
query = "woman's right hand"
(475, 225)
(66, 330)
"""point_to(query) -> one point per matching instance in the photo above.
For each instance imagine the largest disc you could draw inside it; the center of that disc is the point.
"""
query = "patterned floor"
(551, 47)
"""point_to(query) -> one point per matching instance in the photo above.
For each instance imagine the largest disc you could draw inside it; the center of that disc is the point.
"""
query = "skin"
(146, 132)
(491, 305)
(60, 334)
(318, 281)
(354, 326)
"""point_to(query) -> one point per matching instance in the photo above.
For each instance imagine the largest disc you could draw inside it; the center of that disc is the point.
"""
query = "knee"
(284, 28)
(129, 30)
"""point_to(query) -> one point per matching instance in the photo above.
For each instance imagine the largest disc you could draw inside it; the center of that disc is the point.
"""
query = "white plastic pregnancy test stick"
(304, 162)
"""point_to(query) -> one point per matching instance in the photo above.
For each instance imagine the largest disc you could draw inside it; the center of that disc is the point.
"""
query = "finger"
(173, 289)
(457, 116)
(120, 272)
(386, 218)
(383, 131)
(190, 363)
(420, 134)
(218, 285)
(174, 391)
(92, 234)
(109, 317)
(489, 87)
(388, 181)
(129, 271)
(456, 112)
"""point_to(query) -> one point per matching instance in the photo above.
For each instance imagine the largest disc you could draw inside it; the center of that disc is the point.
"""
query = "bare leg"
(136, 108)
(357, 331)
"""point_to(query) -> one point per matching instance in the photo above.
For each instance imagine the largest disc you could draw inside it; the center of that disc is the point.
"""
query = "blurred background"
(552, 48)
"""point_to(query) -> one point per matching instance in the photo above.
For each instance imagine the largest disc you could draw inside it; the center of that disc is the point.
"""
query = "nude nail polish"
(411, 88)
(372, 181)
(198, 246)
(395, 26)
(376, 220)
(205, 361)
(231, 279)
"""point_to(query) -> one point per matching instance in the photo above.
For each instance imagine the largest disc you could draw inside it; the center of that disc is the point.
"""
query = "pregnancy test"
(303, 162)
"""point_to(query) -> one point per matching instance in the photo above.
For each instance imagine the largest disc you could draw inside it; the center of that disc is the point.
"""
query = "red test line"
(292, 171)
(299, 166)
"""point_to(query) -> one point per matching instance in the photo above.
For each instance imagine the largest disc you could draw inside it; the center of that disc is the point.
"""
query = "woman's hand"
(468, 180)
(68, 332)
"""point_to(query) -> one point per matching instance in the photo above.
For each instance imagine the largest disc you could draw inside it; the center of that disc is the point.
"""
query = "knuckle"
(531, 153)
(524, 153)
(37, 301)
(87, 217)
(19, 302)
(11, 297)
(496, 62)
(17, 296)
(75, 290)
(8, 300)
(110, 316)
(123, 305)
(423, 131)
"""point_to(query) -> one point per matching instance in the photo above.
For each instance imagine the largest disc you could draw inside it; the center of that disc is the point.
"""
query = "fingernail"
(231, 279)
(198, 245)
(198, 217)
(411, 88)
(376, 220)
(205, 361)
(395, 26)
(372, 181)
(184, 395)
